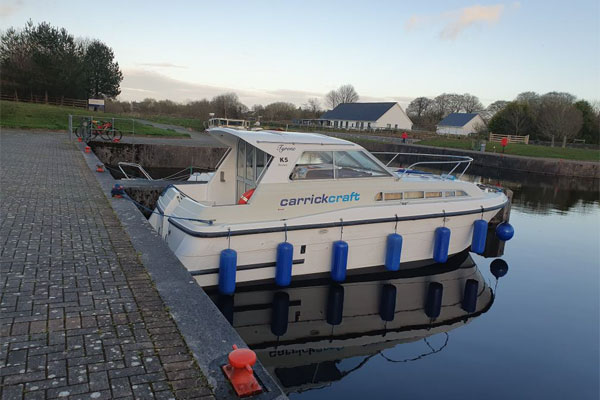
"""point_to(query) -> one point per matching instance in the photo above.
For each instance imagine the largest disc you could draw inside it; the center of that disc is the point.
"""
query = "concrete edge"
(208, 335)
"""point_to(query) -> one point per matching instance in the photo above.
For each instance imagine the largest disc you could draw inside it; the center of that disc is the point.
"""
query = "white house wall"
(392, 117)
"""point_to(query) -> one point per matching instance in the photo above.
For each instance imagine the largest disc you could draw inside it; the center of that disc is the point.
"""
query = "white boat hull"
(256, 252)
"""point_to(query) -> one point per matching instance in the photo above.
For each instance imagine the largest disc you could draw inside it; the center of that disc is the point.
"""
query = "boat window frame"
(257, 178)
(385, 172)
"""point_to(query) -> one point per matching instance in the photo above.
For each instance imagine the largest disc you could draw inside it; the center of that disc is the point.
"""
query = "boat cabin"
(296, 174)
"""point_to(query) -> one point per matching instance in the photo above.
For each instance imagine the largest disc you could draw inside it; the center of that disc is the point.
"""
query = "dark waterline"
(538, 338)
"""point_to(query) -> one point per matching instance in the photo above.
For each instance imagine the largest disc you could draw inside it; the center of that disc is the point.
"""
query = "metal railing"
(122, 164)
(96, 127)
(457, 161)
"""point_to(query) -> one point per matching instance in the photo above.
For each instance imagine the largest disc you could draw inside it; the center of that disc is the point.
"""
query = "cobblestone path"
(79, 316)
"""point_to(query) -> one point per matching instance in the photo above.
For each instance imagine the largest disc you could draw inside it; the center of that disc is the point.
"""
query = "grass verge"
(48, 117)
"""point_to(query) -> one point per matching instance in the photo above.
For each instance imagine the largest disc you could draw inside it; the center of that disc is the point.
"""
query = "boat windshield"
(336, 165)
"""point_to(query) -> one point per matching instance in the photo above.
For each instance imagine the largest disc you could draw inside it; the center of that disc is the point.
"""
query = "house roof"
(358, 111)
(457, 119)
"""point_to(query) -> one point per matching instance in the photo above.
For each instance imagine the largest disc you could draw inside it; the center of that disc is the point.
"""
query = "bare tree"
(494, 108)
(558, 117)
(228, 105)
(418, 107)
(347, 94)
(471, 104)
(344, 94)
(442, 106)
(332, 99)
(313, 106)
(455, 102)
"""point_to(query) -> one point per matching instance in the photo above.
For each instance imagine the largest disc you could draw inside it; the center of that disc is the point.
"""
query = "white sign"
(96, 102)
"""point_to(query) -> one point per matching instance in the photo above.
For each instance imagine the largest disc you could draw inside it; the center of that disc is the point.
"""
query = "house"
(367, 116)
(460, 124)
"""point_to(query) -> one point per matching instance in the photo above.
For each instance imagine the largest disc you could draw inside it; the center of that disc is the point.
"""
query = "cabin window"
(356, 164)
(430, 195)
(336, 164)
(461, 193)
(414, 195)
(379, 196)
(393, 196)
(314, 165)
(449, 194)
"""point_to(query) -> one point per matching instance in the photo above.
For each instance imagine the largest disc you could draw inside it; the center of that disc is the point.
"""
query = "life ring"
(246, 197)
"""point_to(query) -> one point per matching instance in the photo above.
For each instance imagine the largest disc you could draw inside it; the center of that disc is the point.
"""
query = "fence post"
(133, 130)
(527, 139)
(70, 128)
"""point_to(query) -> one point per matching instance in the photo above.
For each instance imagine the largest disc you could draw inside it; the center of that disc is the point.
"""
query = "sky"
(268, 51)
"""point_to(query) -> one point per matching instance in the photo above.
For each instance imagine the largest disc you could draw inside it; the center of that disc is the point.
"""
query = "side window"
(314, 165)
(356, 164)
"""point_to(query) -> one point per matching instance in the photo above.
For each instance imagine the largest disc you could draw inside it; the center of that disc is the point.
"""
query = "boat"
(331, 200)
(312, 334)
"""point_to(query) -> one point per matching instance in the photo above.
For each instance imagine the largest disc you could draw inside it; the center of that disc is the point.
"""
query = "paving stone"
(79, 315)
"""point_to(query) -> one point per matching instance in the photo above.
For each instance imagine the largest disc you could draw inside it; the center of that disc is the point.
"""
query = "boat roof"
(256, 138)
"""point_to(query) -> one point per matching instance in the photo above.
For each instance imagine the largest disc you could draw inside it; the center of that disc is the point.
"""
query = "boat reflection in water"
(302, 333)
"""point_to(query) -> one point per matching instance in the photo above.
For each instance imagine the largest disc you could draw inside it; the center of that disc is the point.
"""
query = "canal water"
(532, 333)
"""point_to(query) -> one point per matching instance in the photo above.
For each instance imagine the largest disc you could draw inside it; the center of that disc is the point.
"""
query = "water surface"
(536, 336)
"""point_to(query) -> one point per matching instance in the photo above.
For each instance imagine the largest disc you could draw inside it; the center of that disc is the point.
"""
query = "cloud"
(9, 8)
(139, 84)
(456, 21)
(162, 65)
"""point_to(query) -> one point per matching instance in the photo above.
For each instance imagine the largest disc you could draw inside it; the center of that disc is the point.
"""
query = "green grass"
(527, 150)
(195, 124)
(48, 117)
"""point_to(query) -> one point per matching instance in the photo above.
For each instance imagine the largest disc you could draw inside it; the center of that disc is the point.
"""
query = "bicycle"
(105, 130)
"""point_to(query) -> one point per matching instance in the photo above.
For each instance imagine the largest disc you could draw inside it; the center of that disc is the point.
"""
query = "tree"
(471, 104)
(494, 108)
(419, 107)
(280, 111)
(347, 94)
(228, 105)
(442, 106)
(514, 119)
(313, 106)
(558, 117)
(344, 94)
(48, 61)
(103, 75)
(332, 99)
(590, 128)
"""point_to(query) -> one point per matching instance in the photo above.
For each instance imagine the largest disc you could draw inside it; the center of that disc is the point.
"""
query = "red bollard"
(99, 168)
(239, 372)
(79, 139)
(88, 149)
(116, 140)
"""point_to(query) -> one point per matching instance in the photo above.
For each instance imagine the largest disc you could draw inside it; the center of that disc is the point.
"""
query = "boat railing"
(122, 164)
(439, 159)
